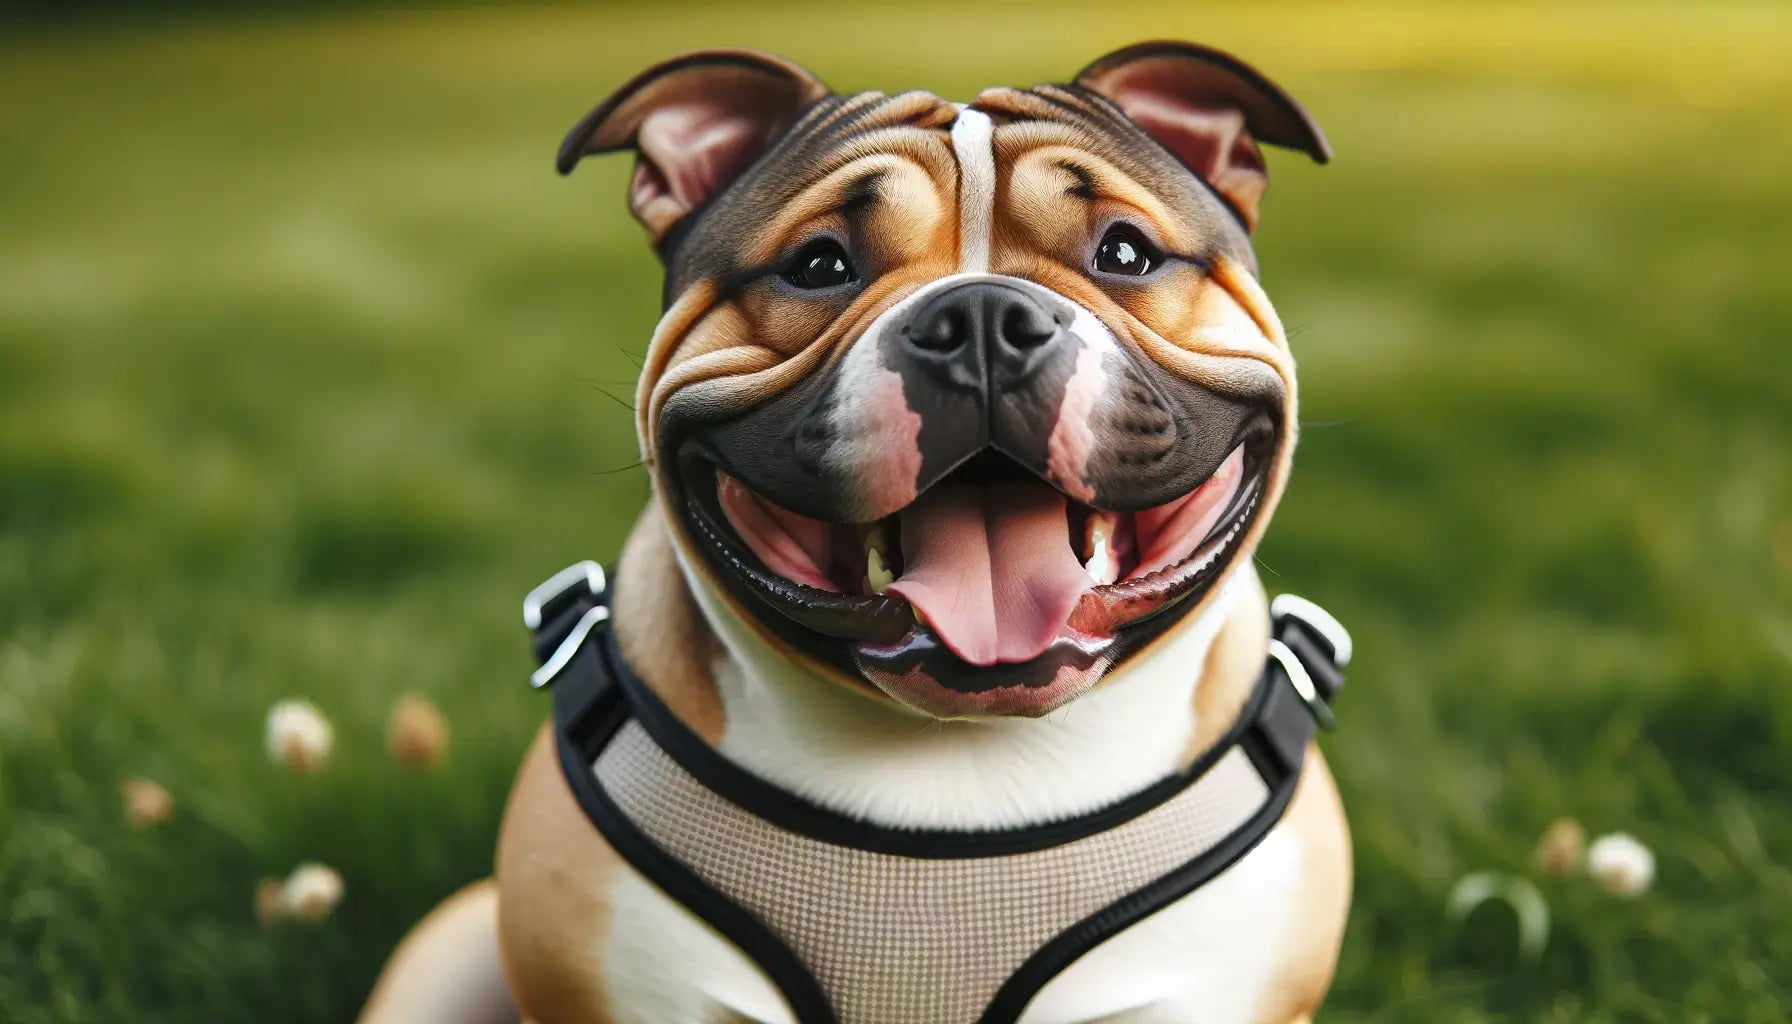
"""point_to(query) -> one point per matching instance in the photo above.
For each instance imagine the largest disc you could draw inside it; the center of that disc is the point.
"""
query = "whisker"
(612, 396)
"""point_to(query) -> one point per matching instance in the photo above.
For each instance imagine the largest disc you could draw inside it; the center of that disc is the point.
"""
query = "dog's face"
(967, 404)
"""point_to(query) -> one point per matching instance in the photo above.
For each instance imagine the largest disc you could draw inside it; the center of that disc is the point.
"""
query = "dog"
(963, 422)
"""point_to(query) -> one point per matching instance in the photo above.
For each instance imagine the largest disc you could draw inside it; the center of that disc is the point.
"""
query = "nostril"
(1024, 327)
(944, 331)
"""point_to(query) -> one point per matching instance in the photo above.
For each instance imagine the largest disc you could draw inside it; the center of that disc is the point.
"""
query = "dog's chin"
(990, 594)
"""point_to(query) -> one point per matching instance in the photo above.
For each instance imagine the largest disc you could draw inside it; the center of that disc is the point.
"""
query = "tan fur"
(554, 877)
(1234, 663)
(1316, 815)
(447, 969)
(660, 630)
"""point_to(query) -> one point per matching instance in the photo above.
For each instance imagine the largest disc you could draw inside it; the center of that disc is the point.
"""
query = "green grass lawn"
(303, 361)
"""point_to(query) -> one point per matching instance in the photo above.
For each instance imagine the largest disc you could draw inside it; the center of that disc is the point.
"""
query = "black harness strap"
(596, 693)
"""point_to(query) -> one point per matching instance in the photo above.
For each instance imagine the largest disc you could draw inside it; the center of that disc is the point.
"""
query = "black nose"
(983, 329)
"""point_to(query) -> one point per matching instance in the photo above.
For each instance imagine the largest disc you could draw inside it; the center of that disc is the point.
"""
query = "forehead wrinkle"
(926, 147)
(881, 152)
(1090, 125)
(816, 201)
(835, 131)
(1110, 184)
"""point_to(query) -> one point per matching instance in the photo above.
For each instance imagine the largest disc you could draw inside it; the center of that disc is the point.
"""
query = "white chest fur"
(1205, 958)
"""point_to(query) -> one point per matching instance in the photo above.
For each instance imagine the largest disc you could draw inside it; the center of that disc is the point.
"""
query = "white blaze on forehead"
(972, 142)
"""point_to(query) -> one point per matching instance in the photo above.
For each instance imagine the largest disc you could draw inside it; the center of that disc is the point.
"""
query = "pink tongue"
(991, 568)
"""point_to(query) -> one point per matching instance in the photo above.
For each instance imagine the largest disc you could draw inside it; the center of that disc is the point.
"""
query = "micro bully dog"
(935, 684)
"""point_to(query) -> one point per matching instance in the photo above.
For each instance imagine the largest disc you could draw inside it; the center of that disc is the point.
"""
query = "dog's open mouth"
(991, 592)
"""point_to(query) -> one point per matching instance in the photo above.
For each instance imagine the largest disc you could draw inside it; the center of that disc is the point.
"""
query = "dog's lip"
(879, 624)
(1065, 671)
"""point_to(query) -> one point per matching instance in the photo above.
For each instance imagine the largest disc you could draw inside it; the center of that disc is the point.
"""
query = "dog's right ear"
(695, 122)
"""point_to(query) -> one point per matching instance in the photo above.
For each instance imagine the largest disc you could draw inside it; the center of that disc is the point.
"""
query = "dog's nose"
(979, 330)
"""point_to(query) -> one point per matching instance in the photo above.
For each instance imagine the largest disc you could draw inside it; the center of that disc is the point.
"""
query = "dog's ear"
(695, 122)
(1211, 110)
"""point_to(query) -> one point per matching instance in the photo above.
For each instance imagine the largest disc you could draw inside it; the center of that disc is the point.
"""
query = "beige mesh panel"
(904, 940)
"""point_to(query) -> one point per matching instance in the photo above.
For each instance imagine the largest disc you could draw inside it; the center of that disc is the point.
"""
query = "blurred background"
(310, 366)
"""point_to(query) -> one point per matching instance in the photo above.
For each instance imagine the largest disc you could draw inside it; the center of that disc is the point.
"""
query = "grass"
(302, 359)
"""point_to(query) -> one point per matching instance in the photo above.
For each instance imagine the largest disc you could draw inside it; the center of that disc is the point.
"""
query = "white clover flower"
(1620, 864)
(311, 892)
(298, 736)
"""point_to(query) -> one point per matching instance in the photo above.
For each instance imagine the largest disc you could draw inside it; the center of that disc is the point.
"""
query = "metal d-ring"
(1330, 629)
(569, 647)
(556, 586)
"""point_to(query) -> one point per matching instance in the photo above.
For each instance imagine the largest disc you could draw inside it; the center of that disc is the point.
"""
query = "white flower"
(298, 735)
(1620, 864)
(311, 892)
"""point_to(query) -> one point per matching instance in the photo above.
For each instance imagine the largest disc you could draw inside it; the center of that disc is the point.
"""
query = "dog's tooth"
(1098, 548)
(1099, 551)
(1098, 528)
(877, 572)
(1101, 567)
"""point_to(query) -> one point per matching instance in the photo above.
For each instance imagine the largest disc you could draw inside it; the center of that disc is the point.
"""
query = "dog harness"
(857, 923)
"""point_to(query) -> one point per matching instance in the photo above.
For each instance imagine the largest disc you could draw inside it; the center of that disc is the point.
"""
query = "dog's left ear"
(696, 123)
(1211, 110)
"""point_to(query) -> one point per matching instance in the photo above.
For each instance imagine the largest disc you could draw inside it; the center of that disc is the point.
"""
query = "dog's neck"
(860, 756)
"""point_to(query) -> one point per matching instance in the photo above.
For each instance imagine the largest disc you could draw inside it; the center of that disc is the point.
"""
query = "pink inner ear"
(1210, 140)
(688, 152)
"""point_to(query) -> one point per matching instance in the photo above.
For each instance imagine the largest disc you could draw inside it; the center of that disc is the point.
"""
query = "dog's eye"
(1125, 252)
(820, 264)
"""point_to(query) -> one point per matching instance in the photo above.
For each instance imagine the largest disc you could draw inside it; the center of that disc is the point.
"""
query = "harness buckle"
(1312, 647)
(1303, 685)
(540, 603)
(1320, 621)
(569, 647)
(558, 596)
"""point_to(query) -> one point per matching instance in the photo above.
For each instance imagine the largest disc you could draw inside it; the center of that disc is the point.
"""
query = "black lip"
(921, 649)
(855, 631)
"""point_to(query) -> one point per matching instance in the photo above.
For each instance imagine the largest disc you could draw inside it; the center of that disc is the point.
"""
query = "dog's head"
(967, 403)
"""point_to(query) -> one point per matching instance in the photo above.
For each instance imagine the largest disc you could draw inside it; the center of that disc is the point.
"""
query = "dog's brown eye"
(1124, 252)
(820, 264)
